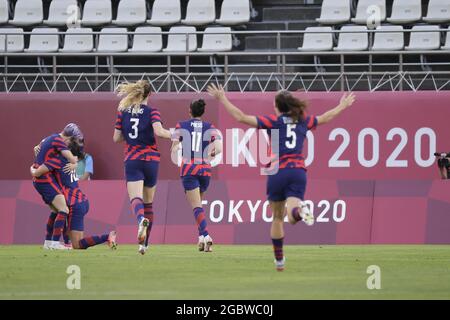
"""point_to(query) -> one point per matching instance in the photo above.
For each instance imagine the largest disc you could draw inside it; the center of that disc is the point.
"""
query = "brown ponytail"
(288, 104)
(133, 94)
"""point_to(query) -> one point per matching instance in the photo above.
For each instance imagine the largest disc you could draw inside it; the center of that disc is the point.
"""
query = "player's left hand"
(216, 91)
(33, 171)
(348, 99)
(70, 167)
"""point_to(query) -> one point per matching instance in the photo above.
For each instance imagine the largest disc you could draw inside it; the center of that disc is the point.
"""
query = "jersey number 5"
(135, 132)
(290, 133)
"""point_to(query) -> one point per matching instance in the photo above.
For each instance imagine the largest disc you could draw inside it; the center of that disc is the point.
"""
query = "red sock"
(148, 214)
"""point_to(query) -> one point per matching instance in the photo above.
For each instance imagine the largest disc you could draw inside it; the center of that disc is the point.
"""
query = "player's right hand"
(216, 91)
(347, 99)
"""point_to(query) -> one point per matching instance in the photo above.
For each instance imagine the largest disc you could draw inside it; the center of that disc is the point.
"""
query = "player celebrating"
(77, 202)
(48, 153)
(286, 188)
(137, 125)
(199, 143)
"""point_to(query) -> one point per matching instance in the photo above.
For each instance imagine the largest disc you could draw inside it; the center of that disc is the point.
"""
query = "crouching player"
(50, 152)
(200, 142)
(77, 202)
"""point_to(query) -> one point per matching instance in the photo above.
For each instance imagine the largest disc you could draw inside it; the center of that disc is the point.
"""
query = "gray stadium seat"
(388, 38)
(43, 40)
(200, 12)
(234, 12)
(4, 11)
(353, 41)
(165, 13)
(334, 12)
(78, 40)
(14, 41)
(177, 39)
(366, 11)
(314, 41)
(113, 40)
(97, 13)
(217, 40)
(147, 42)
(406, 11)
(28, 13)
(60, 11)
(438, 11)
(424, 40)
(446, 46)
(131, 13)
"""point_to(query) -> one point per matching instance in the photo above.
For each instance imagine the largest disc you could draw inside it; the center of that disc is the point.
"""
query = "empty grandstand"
(258, 45)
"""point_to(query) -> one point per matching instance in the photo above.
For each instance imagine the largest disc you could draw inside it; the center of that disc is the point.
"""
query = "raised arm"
(346, 101)
(69, 156)
(235, 112)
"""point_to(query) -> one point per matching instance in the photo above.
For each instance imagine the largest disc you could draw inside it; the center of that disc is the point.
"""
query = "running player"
(137, 125)
(77, 202)
(286, 188)
(200, 142)
(47, 152)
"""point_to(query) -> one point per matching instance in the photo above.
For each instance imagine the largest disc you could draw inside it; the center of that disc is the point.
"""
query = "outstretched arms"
(235, 112)
(346, 101)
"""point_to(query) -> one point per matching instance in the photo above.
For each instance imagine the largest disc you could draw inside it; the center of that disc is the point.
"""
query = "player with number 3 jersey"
(286, 186)
(138, 125)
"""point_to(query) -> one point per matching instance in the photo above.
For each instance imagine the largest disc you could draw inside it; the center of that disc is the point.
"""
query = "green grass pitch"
(231, 272)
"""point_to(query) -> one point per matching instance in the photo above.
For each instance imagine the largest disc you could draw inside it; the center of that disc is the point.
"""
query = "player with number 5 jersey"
(138, 125)
(286, 183)
(200, 142)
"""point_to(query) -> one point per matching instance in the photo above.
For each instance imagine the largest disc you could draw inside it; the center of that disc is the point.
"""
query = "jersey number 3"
(134, 134)
(290, 133)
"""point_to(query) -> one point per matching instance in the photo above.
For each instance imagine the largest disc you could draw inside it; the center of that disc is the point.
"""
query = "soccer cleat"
(142, 231)
(112, 243)
(46, 245)
(201, 243)
(208, 243)
(142, 249)
(306, 215)
(56, 245)
(279, 264)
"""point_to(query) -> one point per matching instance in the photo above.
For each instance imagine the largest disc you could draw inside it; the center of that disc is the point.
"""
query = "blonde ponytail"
(133, 94)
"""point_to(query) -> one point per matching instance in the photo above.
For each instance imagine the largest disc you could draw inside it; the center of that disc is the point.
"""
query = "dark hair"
(198, 108)
(288, 104)
(77, 148)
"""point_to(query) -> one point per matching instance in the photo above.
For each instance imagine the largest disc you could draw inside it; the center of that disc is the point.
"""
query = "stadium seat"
(314, 41)
(165, 12)
(334, 12)
(446, 46)
(97, 13)
(177, 39)
(200, 12)
(60, 11)
(113, 40)
(43, 40)
(216, 40)
(438, 11)
(234, 12)
(14, 40)
(424, 40)
(388, 38)
(147, 42)
(76, 41)
(406, 11)
(131, 13)
(4, 11)
(366, 12)
(357, 41)
(28, 13)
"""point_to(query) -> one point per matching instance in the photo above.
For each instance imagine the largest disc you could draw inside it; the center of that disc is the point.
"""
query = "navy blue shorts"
(139, 170)
(76, 216)
(48, 190)
(289, 182)
(194, 182)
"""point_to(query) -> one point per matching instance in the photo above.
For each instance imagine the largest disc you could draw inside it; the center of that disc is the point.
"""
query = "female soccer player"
(137, 125)
(77, 202)
(286, 188)
(47, 152)
(200, 142)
